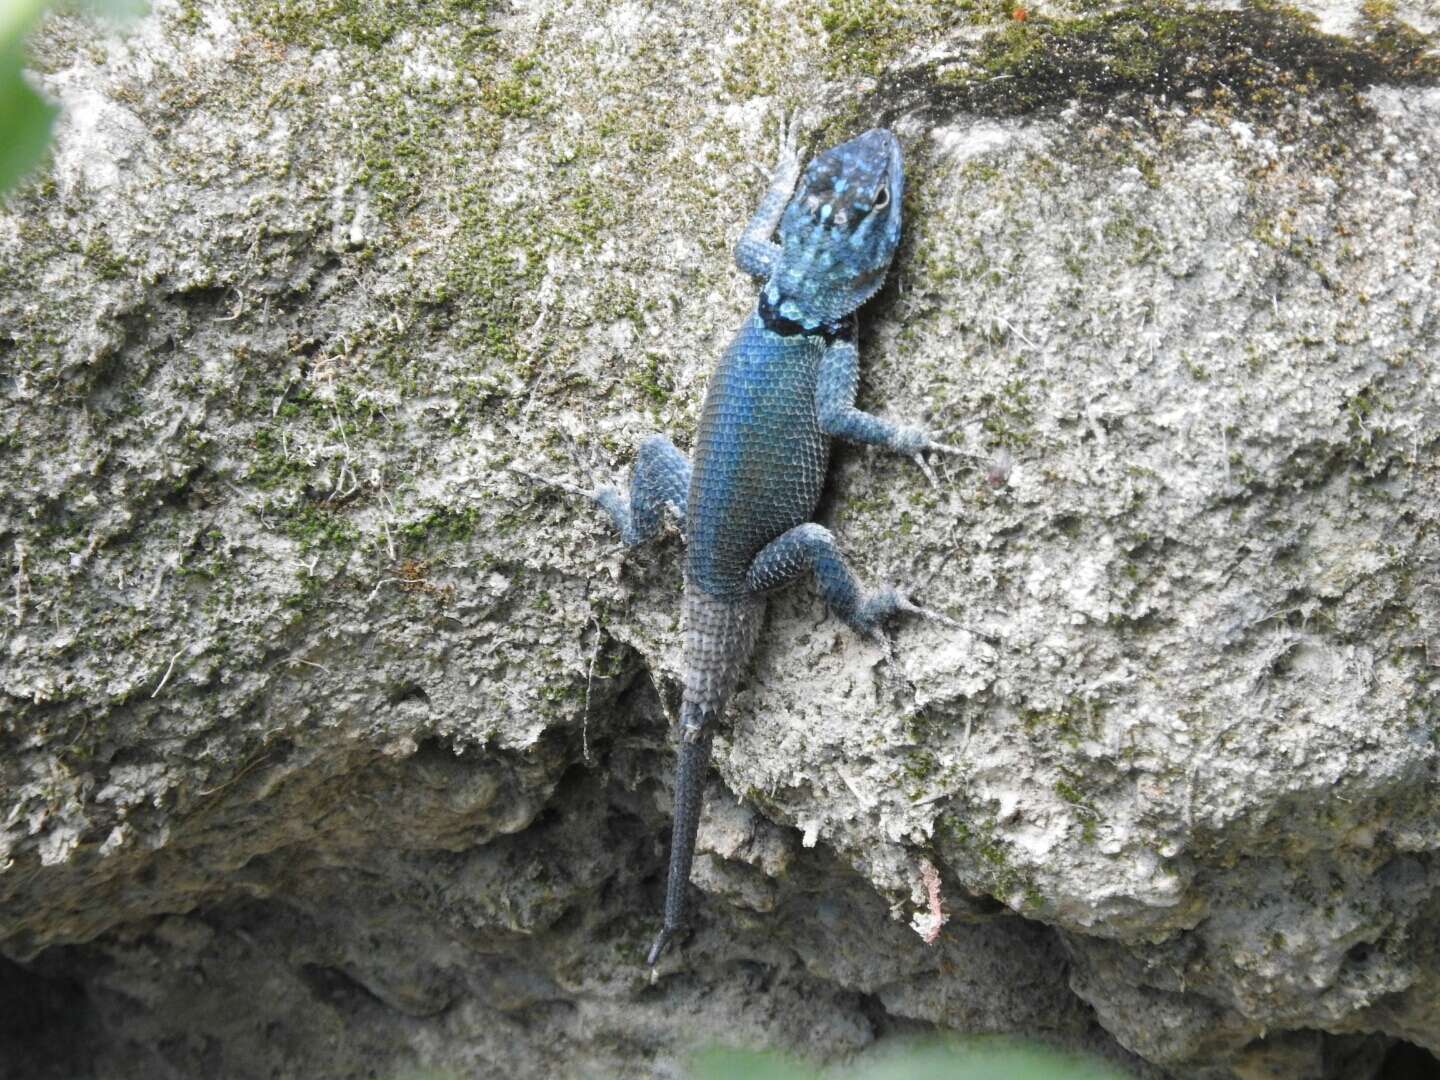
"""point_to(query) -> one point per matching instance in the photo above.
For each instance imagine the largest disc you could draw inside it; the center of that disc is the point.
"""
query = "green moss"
(975, 848)
(1149, 170)
(1366, 414)
(107, 263)
(190, 16)
(408, 133)
(318, 23)
(754, 68)
(861, 34)
(651, 378)
(495, 260)
(592, 204)
(520, 93)
(1068, 790)
(1008, 414)
(920, 765)
(1124, 232)
(1153, 48)
(307, 593)
(1077, 720)
(865, 36)
(445, 523)
(1384, 32)
(993, 853)
(271, 464)
(317, 527)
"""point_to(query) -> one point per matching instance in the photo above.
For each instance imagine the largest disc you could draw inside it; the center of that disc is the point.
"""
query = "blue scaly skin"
(783, 389)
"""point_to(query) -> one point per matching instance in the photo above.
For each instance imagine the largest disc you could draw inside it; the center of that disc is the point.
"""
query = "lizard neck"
(840, 329)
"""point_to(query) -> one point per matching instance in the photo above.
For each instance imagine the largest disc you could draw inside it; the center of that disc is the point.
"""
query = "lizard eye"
(882, 200)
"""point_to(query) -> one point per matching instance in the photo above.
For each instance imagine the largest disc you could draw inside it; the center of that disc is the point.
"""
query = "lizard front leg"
(660, 478)
(755, 252)
(835, 389)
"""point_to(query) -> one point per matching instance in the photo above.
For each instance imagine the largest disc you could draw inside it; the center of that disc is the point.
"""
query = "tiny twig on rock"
(166, 677)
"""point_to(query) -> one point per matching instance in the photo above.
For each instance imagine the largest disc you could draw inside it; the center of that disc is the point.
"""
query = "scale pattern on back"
(760, 456)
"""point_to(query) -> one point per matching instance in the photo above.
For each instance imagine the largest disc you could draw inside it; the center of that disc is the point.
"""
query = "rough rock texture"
(330, 746)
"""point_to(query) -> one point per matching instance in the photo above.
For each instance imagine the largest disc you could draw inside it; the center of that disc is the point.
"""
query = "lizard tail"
(719, 637)
(694, 756)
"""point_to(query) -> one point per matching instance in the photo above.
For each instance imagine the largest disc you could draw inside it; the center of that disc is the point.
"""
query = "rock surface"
(332, 746)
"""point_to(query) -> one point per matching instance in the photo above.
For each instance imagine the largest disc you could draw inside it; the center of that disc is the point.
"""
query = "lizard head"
(839, 231)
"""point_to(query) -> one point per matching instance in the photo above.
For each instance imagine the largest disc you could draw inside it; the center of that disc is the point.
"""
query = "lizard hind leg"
(812, 547)
(660, 478)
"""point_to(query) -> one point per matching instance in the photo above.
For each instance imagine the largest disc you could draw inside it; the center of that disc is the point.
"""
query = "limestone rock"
(332, 745)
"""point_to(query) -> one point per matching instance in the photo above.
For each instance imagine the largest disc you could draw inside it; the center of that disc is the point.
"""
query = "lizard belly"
(760, 456)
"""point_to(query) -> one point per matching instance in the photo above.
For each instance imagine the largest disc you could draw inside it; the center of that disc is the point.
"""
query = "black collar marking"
(841, 329)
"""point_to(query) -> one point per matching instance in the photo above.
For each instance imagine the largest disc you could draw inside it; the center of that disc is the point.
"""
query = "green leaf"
(16, 18)
(746, 1065)
(25, 120)
(25, 117)
(978, 1059)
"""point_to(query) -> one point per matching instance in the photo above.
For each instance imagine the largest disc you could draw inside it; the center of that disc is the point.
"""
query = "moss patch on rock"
(1248, 60)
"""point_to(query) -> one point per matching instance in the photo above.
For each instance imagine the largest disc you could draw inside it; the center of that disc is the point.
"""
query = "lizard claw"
(906, 605)
(787, 164)
(909, 607)
(933, 447)
(919, 458)
(787, 160)
(946, 448)
(563, 485)
(790, 135)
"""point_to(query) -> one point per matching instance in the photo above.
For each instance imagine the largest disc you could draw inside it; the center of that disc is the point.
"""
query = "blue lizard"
(783, 389)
